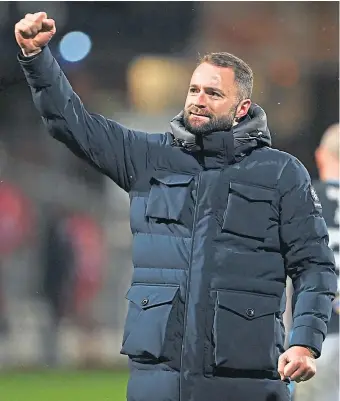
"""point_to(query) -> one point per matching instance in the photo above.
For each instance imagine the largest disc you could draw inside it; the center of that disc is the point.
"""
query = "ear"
(318, 158)
(242, 108)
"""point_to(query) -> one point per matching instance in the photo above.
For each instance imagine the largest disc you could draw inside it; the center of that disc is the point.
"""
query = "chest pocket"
(170, 200)
(248, 210)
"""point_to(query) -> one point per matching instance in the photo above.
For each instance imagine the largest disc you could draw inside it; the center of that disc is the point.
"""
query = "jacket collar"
(224, 147)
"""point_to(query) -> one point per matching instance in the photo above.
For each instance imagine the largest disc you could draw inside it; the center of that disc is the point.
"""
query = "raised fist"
(34, 32)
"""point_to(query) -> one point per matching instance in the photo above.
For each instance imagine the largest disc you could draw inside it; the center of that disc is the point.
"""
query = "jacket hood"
(252, 132)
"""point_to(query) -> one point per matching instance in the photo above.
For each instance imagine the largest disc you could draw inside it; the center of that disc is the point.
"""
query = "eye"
(215, 94)
(193, 90)
(212, 93)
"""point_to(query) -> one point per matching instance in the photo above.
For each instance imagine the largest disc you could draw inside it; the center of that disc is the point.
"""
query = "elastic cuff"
(41, 69)
(305, 336)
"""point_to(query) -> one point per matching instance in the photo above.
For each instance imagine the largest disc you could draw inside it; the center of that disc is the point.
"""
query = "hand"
(34, 32)
(297, 363)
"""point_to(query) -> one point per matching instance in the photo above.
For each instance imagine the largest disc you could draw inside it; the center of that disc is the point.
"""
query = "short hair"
(243, 73)
(330, 139)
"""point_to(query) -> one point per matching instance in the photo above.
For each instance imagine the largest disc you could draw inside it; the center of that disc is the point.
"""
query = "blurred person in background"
(16, 230)
(325, 385)
(73, 261)
(16, 227)
(90, 257)
(58, 276)
(219, 220)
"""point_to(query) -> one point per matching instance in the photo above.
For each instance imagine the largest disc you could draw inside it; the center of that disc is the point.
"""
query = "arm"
(114, 150)
(308, 259)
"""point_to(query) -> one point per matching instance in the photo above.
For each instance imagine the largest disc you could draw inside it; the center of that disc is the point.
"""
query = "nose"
(200, 100)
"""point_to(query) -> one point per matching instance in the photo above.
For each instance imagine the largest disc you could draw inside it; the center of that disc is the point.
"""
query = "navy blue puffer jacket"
(217, 227)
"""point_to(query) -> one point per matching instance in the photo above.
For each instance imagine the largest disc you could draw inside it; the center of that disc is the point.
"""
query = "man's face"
(212, 101)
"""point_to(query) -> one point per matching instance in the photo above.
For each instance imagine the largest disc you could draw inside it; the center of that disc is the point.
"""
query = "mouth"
(199, 116)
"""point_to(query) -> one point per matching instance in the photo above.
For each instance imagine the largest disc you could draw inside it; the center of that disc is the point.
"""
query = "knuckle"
(37, 16)
(24, 28)
(25, 22)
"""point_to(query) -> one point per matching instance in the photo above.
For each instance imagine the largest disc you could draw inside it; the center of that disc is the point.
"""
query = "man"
(325, 386)
(58, 276)
(219, 219)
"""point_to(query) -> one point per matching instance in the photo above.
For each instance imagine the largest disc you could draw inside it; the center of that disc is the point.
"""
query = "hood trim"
(253, 127)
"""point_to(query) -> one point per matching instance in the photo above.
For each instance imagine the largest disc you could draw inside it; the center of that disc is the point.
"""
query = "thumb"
(48, 24)
(283, 360)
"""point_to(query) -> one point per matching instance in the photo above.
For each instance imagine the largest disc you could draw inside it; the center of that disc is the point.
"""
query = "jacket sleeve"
(114, 150)
(308, 259)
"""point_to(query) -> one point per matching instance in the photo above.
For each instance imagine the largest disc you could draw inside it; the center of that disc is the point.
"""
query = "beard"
(213, 124)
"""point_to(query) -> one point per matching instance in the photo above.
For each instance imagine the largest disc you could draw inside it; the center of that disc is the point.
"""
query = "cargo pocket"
(169, 199)
(248, 210)
(244, 331)
(148, 321)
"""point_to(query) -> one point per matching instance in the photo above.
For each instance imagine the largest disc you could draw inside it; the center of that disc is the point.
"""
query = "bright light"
(75, 46)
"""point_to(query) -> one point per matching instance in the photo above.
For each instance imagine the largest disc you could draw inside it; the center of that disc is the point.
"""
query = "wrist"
(312, 352)
(30, 53)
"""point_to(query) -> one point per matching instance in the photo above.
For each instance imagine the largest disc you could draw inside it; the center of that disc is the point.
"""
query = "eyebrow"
(209, 88)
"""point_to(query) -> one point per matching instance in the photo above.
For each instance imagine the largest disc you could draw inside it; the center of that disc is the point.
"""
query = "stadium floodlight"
(75, 46)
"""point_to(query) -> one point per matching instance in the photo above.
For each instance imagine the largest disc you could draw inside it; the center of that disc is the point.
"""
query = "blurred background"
(64, 229)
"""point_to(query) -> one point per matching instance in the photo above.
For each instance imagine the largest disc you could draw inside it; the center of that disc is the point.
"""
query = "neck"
(329, 175)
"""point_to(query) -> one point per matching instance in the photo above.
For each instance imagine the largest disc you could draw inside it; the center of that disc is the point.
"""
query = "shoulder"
(281, 157)
(290, 164)
(162, 139)
(135, 134)
(290, 171)
(294, 175)
(281, 163)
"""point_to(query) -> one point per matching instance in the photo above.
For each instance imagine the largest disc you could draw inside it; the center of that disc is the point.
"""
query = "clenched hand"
(34, 32)
(297, 363)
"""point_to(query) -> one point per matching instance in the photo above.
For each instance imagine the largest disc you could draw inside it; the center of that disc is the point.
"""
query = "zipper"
(189, 277)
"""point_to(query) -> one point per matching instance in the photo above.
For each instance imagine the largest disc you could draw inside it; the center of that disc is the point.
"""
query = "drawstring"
(189, 146)
(177, 142)
(250, 137)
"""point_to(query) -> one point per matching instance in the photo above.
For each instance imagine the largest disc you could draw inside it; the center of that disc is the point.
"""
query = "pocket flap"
(251, 192)
(147, 296)
(250, 306)
(174, 179)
